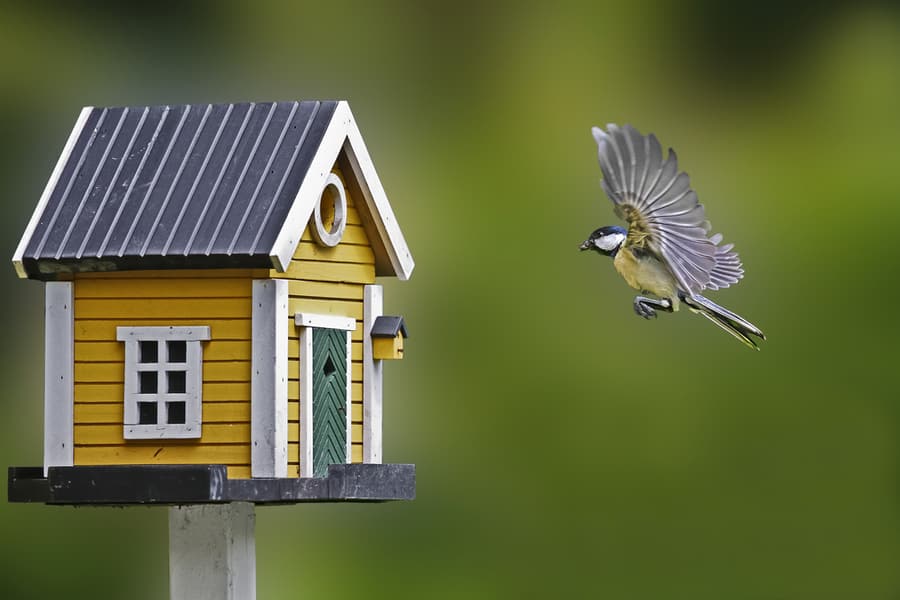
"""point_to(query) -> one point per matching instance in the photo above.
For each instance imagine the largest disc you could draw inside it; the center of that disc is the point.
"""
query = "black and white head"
(606, 240)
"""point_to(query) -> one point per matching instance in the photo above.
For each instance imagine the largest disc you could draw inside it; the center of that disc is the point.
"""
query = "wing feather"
(654, 164)
(662, 210)
(644, 165)
(617, 156)
(728, 269)
(667, 177)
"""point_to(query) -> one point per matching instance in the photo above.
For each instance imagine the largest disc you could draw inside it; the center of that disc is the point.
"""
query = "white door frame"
(305, 323)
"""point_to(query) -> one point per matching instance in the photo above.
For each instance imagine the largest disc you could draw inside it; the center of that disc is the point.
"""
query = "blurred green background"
(565, 448)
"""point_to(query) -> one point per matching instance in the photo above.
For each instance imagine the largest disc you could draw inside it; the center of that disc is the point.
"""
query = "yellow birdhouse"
(388, 334)
(212, 312)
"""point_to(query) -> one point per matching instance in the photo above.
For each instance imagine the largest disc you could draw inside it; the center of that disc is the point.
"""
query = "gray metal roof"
(188, 186)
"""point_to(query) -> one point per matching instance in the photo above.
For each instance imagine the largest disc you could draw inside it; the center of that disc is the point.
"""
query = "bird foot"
(645, 307)
(643, 310)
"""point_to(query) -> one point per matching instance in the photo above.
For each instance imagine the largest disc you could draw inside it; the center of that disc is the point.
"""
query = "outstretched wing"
(662, 210)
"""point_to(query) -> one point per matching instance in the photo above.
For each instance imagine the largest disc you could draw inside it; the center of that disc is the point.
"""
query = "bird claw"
(642, 310)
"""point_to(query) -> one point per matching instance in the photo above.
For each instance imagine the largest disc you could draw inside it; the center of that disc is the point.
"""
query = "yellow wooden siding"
(219, 299)
(329, 281)
(321, 280)
(100, 413)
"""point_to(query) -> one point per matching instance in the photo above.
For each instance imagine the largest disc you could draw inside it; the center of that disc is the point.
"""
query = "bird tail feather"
(734, 324)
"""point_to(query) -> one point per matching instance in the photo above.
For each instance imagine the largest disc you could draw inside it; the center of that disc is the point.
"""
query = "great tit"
(667, 250)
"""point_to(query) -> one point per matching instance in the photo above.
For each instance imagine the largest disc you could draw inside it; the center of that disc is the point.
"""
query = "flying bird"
(666, 251)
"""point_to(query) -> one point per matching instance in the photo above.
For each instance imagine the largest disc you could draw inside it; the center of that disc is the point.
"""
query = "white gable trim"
(342, 133)
(48, 190)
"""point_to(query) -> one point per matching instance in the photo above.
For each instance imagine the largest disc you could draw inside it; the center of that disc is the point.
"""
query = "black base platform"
(203, 484)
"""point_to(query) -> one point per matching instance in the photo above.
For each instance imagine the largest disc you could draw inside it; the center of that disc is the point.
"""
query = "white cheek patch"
(609, 242)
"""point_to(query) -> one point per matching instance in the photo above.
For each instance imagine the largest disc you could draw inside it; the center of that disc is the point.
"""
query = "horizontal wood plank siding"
(219, 299)
(329, 281)
(100, 413)
(322, 280)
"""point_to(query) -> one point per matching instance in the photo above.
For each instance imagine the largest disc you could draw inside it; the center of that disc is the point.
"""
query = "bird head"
(606, 240)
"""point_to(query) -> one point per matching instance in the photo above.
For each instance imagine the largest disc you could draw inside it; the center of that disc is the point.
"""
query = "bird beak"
(586, 245)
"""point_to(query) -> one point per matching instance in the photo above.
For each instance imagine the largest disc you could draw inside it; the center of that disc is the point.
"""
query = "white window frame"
(306, 322)
(193, 367)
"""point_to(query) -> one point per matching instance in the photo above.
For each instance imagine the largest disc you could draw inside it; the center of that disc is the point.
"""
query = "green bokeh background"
(564, 447)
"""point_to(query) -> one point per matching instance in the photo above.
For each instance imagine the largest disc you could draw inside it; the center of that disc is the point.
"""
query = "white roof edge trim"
(342, 132)
(48, 190)
(295, 223)
(379, 207)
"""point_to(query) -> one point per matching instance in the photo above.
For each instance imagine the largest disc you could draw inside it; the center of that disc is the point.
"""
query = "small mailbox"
(387, 338)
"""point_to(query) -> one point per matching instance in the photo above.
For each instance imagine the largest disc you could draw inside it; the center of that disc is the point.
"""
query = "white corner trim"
(372, 379)
(324, 321)
(48, 191)
(269, 385)
(306, 394)
(212, 551)
(59, 380)
(342, 132)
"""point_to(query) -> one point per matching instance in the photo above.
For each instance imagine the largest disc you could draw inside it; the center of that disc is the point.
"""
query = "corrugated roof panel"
(39, 236)
(297, 141)
(102, 186)
(134, 206)
(169, 171)
(177, 186)
(240, 176)
(119, 194)
(193, 173)
(63, 207)
(267, 231)
(257, 166)
(216, 166)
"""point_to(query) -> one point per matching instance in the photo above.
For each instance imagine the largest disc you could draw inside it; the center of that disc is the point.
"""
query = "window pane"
(147, 382)
(175, 413)
(149, 352)
(147, 413)
(177, 382)
(177, 351)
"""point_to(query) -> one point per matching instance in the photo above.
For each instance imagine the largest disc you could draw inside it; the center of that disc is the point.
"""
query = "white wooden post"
(372, 402)
(212, 552)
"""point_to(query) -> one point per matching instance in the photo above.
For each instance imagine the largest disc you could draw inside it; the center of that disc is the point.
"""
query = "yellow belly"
(647, 275)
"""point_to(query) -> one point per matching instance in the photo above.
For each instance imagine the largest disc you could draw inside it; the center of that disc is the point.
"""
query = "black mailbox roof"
(388, 326)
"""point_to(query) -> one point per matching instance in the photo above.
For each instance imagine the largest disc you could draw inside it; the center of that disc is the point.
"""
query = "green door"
(329, 399)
